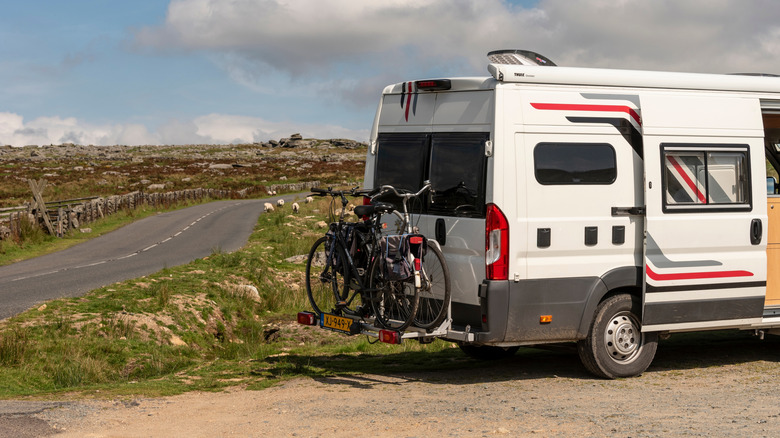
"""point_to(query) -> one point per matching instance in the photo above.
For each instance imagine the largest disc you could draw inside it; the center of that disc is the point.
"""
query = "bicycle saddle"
(368, 210)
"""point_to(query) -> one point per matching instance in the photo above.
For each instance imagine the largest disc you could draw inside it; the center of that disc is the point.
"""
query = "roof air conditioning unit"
(518, 57)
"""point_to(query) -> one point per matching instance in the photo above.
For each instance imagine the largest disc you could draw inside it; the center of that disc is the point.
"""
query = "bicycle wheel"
(353, 295)
(435, 290)
(394, 303)
(323, 282)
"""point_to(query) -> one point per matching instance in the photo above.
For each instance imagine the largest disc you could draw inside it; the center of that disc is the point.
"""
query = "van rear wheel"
(615, 346)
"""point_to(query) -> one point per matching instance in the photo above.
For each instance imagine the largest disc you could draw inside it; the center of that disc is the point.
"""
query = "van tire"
(487, 352)
(615, 346)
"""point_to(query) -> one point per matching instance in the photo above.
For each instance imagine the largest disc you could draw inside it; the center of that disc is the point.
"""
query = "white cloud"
(208, 129)
(322, 39)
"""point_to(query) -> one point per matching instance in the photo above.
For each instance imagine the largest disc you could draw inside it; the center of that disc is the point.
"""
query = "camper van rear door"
(703, 160)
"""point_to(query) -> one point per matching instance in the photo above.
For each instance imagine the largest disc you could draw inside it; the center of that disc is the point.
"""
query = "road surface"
(141, 248)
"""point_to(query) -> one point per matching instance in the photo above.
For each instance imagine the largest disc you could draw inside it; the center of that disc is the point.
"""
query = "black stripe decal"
(690, 287)
(629, 132)
(700, 311)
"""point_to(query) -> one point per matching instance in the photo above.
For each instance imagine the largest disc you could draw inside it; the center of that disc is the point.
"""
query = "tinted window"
(455, 164)
(401, 160)
(457, 173)
(575, 163)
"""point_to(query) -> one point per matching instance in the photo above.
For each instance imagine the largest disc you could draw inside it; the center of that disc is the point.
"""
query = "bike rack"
(363, 327)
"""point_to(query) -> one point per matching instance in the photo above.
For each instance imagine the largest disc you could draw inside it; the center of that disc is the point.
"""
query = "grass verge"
(220, 321)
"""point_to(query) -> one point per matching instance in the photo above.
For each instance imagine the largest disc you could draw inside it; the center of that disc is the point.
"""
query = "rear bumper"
(512, 311)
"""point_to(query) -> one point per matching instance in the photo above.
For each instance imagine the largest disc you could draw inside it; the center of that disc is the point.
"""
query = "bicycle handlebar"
(335, 193)
(389, 188)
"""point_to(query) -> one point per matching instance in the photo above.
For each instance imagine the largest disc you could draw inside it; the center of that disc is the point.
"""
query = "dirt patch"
(696, 387)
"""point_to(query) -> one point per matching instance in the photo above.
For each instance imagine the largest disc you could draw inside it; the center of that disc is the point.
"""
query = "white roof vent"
(518, 57)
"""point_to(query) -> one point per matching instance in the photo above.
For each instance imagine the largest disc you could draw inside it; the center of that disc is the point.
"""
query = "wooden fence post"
(40, 205)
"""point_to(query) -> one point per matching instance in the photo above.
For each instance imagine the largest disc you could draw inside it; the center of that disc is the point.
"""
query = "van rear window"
(401, 160)
(455, 164)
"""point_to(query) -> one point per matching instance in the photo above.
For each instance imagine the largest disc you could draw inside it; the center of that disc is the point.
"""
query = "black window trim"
(706, 208)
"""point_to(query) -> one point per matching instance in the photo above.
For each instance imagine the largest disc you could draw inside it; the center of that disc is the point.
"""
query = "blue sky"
(215, 71)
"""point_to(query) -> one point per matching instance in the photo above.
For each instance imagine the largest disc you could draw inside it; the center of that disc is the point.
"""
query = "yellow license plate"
(338, 323)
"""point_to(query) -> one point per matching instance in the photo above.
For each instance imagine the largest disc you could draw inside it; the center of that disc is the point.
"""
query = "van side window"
(575, 163)
(705, 178)
(454, 162)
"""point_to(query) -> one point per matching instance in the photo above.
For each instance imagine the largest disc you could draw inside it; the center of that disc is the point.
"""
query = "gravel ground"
(699, 386)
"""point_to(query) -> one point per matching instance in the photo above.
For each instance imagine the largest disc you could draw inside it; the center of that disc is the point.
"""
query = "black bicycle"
(339, 263)
(356, 270)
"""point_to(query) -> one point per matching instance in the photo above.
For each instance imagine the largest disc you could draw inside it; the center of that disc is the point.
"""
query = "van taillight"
(307, 318)
(434, 85)
(496, 244)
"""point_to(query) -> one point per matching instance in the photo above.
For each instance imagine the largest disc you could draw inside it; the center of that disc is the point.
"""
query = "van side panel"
(565, 243)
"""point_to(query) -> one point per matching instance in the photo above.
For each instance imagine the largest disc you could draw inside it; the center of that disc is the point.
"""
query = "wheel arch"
(623, 280)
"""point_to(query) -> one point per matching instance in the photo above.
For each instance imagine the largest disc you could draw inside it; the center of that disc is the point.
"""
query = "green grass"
(195, 327)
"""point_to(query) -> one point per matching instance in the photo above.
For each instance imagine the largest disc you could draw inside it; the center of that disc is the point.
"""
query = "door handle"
(628, 211)
(756, 230)
(441, 232)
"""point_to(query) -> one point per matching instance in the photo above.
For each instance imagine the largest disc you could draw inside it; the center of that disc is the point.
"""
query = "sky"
(107, 72)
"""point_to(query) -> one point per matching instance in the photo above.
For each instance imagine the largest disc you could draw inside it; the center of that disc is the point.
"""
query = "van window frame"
(706, 149)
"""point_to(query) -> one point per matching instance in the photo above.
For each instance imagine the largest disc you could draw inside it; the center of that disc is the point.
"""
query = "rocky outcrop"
(220, 152)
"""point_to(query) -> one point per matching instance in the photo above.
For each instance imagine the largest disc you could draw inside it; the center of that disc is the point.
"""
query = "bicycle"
(346, 263)
(339, 263)
(420, 297)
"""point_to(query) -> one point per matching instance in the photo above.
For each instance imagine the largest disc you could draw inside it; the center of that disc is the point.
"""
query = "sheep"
(295, 207)
(309, 199)
(267, 207)
(280, 203)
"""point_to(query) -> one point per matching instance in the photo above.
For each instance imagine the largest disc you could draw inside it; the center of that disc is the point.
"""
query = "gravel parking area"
(699, 385)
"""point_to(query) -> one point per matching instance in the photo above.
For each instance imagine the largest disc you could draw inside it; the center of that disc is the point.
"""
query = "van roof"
(633, 78)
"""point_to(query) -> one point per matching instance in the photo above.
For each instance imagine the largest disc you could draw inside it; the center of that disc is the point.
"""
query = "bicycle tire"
(435, 291)
(394, 303)
(353, 293)
(323, 282)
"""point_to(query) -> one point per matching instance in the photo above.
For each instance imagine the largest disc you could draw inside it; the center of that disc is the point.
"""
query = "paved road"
(141, 248)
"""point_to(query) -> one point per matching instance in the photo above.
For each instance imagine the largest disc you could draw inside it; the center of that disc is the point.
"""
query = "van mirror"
(771, 185)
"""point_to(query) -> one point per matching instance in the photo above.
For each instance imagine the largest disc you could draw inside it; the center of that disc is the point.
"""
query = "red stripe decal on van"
(687, 179)
(408, 102)
(695, 275)
(582, 107)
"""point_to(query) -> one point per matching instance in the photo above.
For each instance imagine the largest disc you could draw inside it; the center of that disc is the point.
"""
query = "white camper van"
(606, 207)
